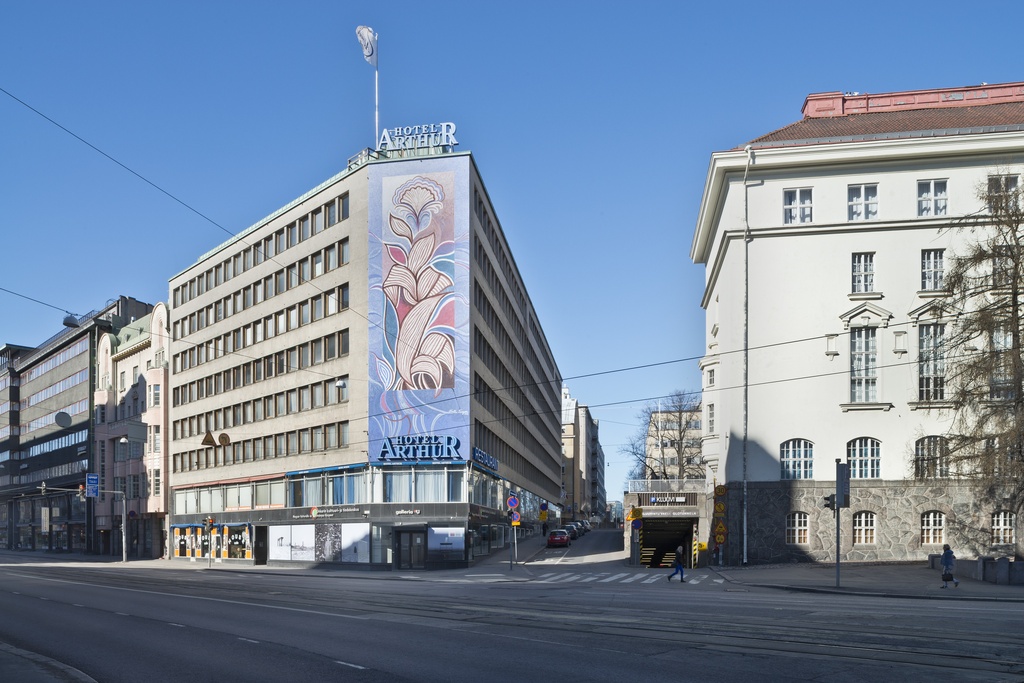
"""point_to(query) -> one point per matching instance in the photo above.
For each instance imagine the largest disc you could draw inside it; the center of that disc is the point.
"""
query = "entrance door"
(260, 548)
(412, 549)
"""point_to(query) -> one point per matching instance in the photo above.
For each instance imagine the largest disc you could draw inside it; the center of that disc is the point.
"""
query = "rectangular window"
(344, 251)
(344, 206)
(1002, 193)
(797, 206)
(932, 268)
(862, 202)
(711, 418)
(863, 365)
(796, 528)
(343, 296)
(931, 198)
(932, 363)
(863, 273)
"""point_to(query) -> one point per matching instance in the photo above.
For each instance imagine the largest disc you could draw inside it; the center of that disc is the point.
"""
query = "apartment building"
(824, 245)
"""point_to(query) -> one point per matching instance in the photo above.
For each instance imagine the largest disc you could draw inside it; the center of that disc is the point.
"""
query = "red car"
(559, 537)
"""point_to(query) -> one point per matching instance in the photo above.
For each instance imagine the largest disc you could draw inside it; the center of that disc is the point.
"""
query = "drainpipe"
(746, 334)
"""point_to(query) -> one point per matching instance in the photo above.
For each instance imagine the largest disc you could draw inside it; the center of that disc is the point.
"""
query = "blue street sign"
(638, 523)
(513, 502)
(92, 485)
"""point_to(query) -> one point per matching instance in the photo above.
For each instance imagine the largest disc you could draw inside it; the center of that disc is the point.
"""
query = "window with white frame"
(711, 418)
(797, 206)
(932, 525)
(931, 457)
(797, 459)
(863, 365)
(1002, 193)
(862, 273)
(931, 198)
(711, 377)
(932, 269)
(863, 528)
(1003, 528)
(1001, 385)
(931, 365)
(796, 528)
(862, 202)
(864, 456)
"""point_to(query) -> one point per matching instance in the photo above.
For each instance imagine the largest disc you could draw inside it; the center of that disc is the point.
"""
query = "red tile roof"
(839, 117)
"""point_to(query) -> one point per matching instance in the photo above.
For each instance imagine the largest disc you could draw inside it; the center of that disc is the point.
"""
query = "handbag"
(947, 576)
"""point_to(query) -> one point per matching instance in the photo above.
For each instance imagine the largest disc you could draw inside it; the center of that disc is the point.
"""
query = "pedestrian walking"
(948, 561)
(678, 566)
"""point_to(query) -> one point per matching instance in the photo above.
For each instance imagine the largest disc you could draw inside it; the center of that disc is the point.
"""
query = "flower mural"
(418, 286)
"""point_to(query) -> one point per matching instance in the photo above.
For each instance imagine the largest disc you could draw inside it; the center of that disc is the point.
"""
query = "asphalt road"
(173, 623)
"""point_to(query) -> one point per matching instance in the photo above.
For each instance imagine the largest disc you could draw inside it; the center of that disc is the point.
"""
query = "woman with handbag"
(947, 561)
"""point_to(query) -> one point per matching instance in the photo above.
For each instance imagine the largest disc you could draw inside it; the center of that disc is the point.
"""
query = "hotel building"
(361, 377)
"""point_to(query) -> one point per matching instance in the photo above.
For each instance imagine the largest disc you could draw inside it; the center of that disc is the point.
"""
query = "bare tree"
(666, 445)
(984, 378)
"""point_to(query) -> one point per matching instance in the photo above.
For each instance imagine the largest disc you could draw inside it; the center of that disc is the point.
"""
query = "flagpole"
(376, 93)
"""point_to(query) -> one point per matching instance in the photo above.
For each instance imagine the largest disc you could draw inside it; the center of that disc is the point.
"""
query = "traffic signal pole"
(124, 511)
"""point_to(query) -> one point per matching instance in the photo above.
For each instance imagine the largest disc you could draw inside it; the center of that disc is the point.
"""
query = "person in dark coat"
(948, 561)
(678, 566)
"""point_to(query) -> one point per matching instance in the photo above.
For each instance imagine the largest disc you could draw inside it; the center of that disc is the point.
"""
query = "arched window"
(797, 459)
(931, 458)
(865, 458)
(932, 526)
(863, 528)
(1002, 527)
(796, 528)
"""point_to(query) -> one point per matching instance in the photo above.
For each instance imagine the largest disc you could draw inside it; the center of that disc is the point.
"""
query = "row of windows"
(294, 275)
(286, 320)
(334, 345)
(862, 271)
(301, 399)
(931, 364)
(863, 454)
(931, 458)
(311, 440)
(862, 202)
(63, 385)
(418, 485)
(50, 363)
(264, 250)
(933, 525)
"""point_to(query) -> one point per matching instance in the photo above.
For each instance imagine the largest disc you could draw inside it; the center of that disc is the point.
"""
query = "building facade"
(824, 245)
(583, 483)
(131, 437)
(48, 435)
(361, 378)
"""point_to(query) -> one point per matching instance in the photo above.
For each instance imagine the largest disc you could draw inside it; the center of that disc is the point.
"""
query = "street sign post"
(92, 485)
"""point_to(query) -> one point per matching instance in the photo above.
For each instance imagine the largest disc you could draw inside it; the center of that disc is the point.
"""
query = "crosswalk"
(695, 578)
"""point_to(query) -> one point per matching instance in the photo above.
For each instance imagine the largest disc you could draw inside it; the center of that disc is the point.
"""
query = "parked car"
(559, 538)
(580, 529)
(572, 531)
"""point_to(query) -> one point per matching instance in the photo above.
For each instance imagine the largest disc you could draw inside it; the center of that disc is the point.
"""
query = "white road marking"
(614, 577)
(354, 666)
(248, 640)
(633, 578)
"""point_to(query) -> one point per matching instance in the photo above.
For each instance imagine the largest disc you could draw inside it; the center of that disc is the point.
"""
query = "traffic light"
(42, 488)
(830, 501)
(208, 523)
(81, 492)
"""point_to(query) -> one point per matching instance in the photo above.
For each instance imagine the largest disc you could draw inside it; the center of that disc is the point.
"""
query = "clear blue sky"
(592, 124)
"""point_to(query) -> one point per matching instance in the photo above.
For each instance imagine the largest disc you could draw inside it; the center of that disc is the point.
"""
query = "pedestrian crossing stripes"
(621, 577)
